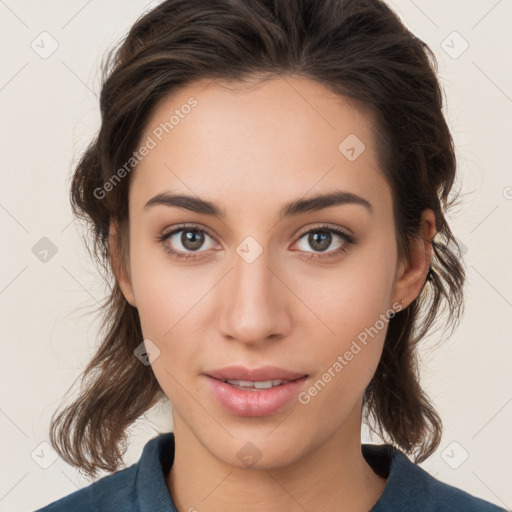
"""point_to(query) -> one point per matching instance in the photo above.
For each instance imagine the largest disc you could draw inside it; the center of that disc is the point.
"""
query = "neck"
(333, 476)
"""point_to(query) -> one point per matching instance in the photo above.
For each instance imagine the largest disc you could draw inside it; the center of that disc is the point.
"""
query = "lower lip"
(254, 403)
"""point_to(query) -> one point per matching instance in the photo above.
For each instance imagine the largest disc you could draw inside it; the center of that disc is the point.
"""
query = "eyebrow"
(318, 202)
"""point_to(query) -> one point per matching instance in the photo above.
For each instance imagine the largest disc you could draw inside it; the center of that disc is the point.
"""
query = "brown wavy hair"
(356, 48)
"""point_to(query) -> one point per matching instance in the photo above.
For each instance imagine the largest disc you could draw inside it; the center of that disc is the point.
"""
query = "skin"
(238, 147)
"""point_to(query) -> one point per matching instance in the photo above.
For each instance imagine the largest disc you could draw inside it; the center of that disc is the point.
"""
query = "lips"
(254, 392)
(262, 374)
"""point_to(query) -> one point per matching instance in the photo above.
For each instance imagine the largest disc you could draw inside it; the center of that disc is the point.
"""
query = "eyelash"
(347, 239)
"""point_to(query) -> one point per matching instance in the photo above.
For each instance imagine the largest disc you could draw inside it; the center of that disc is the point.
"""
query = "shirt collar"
(154, 464)
(386, 460)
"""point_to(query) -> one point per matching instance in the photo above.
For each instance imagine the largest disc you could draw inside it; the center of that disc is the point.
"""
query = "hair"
(359, 50)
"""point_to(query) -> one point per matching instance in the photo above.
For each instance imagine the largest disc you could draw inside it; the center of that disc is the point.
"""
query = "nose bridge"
(251, 309)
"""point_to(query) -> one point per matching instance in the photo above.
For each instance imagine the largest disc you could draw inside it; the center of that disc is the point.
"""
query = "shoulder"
(448, 497)
(412, 489)
(141, 486)
(114, 492)
(440, 496)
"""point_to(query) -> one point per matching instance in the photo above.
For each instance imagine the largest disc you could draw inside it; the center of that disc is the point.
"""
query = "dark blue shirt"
(142, 486)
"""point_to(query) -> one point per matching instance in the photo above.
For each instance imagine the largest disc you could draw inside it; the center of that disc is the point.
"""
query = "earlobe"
(414, 272)
(119, 261)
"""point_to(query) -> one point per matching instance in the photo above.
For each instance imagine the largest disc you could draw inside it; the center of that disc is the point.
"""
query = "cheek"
(347, 361)
(166, 295)
(356, 306)
(352, 297)
(170, 302)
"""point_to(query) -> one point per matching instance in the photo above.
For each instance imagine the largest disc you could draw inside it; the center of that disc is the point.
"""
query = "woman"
(269, 188)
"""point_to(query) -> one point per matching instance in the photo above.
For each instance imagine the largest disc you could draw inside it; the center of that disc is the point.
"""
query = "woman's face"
(262, 283)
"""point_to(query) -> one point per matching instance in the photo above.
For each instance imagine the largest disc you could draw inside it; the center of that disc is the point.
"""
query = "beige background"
(49, 111)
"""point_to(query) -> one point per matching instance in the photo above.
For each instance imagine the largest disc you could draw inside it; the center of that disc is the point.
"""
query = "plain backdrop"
(48, 113)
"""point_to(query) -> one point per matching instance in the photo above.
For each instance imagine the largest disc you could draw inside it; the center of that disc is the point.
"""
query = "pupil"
(192, 239)
(324, 237)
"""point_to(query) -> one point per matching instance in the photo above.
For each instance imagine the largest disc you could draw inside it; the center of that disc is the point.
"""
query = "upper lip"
(261, 374)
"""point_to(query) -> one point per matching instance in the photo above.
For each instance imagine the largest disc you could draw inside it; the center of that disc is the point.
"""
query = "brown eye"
(185, 241)
(192, 239)
(319, 240)
(323, 237)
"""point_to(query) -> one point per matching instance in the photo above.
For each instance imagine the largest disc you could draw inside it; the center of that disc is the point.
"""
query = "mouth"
(263, 374)
(258, 385)
(259, 392)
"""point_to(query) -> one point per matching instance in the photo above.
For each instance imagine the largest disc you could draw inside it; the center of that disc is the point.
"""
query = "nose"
(254, 302)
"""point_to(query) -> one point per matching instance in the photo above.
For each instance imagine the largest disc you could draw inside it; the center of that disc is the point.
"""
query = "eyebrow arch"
(318, 202)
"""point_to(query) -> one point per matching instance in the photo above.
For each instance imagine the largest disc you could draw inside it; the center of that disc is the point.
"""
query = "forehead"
(247, 144)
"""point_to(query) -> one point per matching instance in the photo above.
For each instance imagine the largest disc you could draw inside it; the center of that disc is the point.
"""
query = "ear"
(118, 251)
(412, 274)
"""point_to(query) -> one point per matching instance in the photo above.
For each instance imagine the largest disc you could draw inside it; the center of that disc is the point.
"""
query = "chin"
(266, 447)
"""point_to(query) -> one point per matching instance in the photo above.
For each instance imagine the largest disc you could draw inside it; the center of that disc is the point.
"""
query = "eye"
(184, 241)
(321, 238)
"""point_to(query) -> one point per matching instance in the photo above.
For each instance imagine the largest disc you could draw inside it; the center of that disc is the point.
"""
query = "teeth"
(267, 384)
